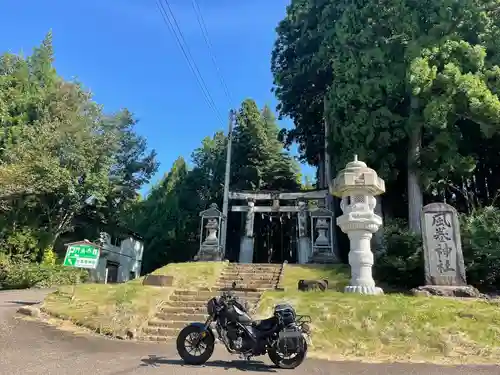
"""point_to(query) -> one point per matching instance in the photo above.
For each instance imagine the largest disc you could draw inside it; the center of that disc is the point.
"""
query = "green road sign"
(82, 255)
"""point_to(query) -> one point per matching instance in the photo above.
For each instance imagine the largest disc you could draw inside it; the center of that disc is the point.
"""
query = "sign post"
(83, 254)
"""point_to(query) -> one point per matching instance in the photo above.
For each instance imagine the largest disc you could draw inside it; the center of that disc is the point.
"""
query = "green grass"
(106, 309)
(392, 327)
(337, 275)
(113, 309)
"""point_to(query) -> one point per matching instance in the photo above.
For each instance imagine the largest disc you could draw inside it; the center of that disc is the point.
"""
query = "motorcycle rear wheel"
(288, 363)
(207, 344)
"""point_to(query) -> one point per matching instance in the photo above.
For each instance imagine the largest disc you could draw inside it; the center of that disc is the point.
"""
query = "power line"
(179, 37)
(204, 31)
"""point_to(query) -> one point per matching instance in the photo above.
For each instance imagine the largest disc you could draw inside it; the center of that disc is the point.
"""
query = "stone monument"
(357, 185)
(444, 262)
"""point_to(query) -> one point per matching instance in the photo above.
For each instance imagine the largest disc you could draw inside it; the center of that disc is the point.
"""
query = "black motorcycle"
(284, 336)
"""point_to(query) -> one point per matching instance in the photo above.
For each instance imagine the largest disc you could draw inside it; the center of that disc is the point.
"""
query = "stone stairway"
(187, 306)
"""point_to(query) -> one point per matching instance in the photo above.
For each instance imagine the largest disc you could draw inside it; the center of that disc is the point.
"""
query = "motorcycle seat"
(264, 324)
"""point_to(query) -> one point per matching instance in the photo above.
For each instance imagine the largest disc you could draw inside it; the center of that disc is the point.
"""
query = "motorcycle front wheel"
(194, 346)
(288, 362)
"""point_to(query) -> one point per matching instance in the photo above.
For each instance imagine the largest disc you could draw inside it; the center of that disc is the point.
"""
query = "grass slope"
(193, 275)
(113, 309)
(392, 327)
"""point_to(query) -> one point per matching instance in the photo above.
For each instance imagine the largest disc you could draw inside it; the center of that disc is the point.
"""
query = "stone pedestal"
(208, 254)
(246, 250)
(304, 250)
(361, 262)
(358, 185)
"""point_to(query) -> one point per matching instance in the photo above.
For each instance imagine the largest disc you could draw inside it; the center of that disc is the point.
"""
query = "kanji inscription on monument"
(444, 263)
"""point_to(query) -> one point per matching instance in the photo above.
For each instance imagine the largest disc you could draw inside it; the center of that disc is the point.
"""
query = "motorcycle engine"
(238, 339)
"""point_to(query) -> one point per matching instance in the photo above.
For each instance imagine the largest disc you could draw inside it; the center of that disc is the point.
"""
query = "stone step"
(179, 316)
(239, 279)
(222, 289)
(251, 293)
(186, 304)
(215, 293)
(258, 286)
(252, 276)
(265, 265)
(263, 276)
(181, 292)
(248, 277)
(249, 270)
(201, 300)
(245, 284)
(252, 270)
(191, 304)
(183, 310)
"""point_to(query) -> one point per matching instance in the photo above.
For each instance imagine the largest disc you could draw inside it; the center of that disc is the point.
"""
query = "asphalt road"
(28, 347)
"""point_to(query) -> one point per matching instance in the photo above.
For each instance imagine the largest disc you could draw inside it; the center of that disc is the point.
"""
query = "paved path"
(33, 348)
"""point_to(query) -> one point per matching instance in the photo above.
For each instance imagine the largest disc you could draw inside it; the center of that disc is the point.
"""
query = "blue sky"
(126, 55)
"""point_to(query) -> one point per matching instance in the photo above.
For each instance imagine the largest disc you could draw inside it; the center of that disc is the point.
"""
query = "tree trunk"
(320, 179)
(378, 237)
(415, 196)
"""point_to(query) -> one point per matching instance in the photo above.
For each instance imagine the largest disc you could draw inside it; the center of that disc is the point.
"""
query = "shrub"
(49, 257)
(400, 263)
(28, 275)
(481, 247)
(4, 266)
(21, 245)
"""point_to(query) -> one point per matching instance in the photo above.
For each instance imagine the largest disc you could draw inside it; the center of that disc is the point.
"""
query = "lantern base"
(368, 290)
(208, 254)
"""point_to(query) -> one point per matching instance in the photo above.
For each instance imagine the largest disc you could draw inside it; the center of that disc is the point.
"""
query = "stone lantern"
(210, 247)
(322, 236)
(357, 185)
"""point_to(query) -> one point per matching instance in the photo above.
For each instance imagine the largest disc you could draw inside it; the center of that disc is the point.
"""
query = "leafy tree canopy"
(63, 160)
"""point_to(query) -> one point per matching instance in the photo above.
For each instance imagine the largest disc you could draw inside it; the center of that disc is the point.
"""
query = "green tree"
(301, 76)
(169, 216)
(61, 157)
(259, 161)
(391, 65)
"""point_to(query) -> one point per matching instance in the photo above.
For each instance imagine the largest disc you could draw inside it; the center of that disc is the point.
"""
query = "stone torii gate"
(356, 185)
(312, 248)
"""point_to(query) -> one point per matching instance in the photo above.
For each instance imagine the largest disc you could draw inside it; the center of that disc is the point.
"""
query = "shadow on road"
(155, 361)
(24, 303)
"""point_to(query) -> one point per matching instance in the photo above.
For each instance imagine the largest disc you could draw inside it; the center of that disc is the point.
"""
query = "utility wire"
(179, 37)
(204, 31)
